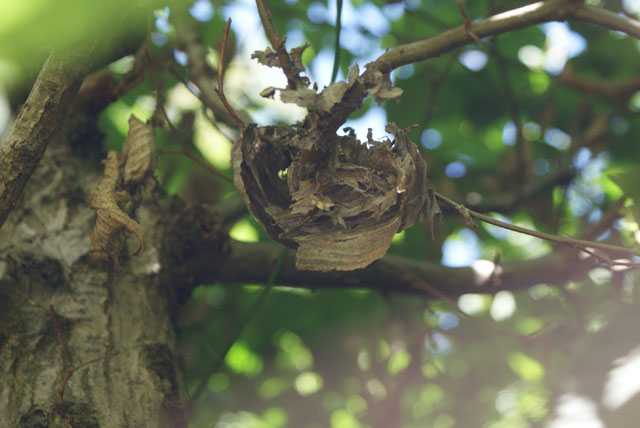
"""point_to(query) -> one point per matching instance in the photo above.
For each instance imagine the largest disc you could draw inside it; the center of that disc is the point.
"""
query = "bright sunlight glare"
(623, 382)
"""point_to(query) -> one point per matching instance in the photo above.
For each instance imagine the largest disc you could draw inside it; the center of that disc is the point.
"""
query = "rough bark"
(80, 344)
(37, 122)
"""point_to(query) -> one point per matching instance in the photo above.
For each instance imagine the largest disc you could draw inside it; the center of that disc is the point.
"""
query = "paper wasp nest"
(338, 201)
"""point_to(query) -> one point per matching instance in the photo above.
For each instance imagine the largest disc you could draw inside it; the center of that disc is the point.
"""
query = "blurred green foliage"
(355, 358)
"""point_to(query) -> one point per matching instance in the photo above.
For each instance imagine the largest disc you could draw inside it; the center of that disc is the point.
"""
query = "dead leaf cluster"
(127, 181)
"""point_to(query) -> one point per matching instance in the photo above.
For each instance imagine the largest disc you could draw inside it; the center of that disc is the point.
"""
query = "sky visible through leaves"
(350, 359)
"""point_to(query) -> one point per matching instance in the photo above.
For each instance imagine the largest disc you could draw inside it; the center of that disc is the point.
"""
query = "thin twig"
(195, 91)
(240, 325)
(186, 152)
(70, 372)
(434, 87)
(199, 72)
(613, 91)
(582, 244)
(337, 50)
(276, 42)
(185, 148)
(610, 215)
(607, 261)
(523, 148)
(423, 285)
(219, 89)
(467, 22)
(531, 14)
(608, 19)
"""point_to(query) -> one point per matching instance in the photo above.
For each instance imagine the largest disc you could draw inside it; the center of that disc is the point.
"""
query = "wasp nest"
(335, 199)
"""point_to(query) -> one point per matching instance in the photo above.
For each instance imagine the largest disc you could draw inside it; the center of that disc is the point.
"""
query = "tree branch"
(277, 43)
(574, 242)
(201, 74)
(606, 18)
(536, 13)
(250, 263)
(614, 91)
(508, 202)
(38, 121)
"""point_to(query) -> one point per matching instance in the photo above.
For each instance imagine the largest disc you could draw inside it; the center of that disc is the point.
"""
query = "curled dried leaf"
(383, 89)
(107, 236)
(296, 58)
(138, 152)
(332, 95)
(266, 57)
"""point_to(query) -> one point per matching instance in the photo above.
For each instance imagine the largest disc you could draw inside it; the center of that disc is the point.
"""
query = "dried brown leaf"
(139, 152)
(332, 95)
(106, 236)
(383, 89)
(433, 210)
(267, 57)
(296, 58)
(268, 92)
(354, 73)
(304, 97)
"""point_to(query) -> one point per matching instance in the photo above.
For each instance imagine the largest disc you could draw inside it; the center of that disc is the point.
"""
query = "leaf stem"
(574, 242)
(240, 325)
(219, 89)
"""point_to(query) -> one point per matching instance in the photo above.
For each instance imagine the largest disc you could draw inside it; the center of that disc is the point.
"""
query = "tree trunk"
(82, 345)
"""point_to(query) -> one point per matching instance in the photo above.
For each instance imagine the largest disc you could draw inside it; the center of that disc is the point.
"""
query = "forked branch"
(532, 14)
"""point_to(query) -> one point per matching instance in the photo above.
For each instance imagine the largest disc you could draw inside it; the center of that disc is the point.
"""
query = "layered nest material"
(335, 199)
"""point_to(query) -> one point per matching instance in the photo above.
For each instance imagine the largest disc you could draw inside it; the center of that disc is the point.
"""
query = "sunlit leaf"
(242, 360)
(526, 367)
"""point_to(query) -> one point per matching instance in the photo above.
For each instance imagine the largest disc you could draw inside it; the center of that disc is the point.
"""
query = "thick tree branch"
(606, 18)
(252, 263)
(37, 122)
(614, 91)
(536, 13)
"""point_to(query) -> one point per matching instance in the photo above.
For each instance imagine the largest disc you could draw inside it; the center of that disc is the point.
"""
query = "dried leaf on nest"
(304, 97)
(268, 92)
(296, 58)
(332, 95)
(383, 89)
(266, 57)
(127, 177)
(269, 58)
